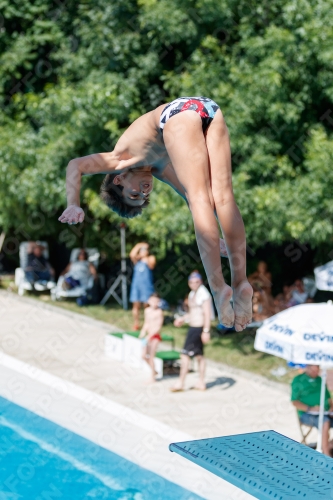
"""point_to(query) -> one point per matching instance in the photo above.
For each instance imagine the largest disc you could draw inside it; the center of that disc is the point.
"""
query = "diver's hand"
(72, 215)
(223, 248)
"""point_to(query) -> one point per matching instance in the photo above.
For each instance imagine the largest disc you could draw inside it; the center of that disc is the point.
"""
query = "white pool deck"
(52, 362)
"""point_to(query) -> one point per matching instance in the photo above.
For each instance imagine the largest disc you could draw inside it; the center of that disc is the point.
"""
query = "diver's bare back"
(143, 142)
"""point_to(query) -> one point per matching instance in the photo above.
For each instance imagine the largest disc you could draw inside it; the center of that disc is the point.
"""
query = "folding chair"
(305, 431)
(21, 281)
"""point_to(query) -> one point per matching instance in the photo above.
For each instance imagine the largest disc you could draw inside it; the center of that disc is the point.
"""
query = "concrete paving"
(71, 347)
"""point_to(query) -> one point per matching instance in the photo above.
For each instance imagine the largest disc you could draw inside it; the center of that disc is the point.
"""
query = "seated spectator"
(262, 278)
(298, 294)
(38, 270)
(262, 303)
(79, 272)
(305, 396)
(282, 299)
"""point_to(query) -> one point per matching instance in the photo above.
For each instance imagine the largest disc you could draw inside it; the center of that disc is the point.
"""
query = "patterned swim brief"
(202, 105)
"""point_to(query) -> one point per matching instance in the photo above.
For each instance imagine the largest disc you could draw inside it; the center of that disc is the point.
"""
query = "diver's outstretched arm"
(100, 163)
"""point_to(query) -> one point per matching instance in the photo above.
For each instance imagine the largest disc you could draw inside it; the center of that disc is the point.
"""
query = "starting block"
(265, 464)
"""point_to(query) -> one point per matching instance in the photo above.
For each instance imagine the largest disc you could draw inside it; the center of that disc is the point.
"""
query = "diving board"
(265, 464)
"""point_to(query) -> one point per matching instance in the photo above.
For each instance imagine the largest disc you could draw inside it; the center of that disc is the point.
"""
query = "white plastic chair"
(58, 292)
(21, 281)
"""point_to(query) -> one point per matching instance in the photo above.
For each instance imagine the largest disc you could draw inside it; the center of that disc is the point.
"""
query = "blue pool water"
(40, 460)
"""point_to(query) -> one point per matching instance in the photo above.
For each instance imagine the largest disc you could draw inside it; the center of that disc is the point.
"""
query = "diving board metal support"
(265, 464)
(122, 278)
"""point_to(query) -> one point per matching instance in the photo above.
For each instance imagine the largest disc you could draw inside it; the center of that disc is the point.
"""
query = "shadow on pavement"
(226, 382)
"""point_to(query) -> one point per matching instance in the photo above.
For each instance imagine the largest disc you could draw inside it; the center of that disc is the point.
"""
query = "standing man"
(199, 317)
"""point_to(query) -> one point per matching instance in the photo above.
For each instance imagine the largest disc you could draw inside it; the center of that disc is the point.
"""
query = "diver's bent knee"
(221, 197)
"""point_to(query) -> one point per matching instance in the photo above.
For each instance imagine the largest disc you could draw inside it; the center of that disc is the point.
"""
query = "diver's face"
(137, 185)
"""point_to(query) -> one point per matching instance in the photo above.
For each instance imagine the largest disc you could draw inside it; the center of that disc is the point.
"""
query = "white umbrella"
(324, 276)
(302, 334)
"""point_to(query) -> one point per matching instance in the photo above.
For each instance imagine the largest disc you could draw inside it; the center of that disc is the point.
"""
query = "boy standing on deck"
(150, 332)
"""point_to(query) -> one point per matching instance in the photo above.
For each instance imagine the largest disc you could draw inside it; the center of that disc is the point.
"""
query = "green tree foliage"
(74, 75)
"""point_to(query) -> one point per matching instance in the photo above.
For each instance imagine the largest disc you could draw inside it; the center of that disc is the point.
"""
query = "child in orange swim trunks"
(150, 332)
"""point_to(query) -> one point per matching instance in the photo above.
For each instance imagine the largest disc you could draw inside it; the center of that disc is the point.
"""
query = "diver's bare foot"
(225, 311)
(242, 302)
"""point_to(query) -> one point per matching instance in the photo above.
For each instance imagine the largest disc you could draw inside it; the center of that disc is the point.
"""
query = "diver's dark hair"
(111, 194)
